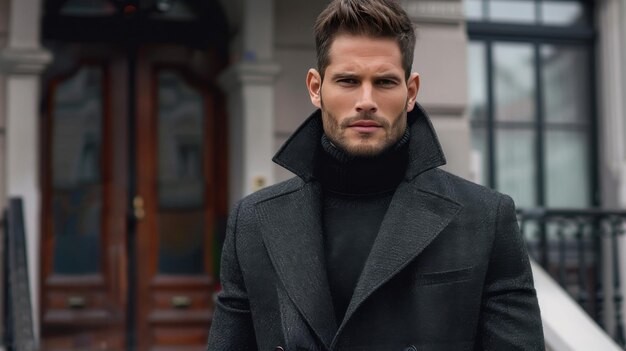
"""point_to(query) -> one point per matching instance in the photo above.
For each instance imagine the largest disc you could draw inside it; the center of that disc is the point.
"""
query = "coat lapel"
(412, 222)
(292, 232)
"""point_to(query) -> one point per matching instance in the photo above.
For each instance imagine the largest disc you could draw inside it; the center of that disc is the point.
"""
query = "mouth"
(365, 126)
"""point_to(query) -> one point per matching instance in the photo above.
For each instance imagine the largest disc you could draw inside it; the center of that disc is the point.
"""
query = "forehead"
(348, 49)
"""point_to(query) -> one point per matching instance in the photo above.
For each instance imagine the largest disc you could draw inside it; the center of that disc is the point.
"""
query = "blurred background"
(129, 127)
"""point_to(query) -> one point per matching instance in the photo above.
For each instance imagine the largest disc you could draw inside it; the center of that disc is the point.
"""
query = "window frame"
(536, 35)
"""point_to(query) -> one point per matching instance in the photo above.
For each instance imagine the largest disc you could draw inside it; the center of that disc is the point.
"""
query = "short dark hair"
(374, 18)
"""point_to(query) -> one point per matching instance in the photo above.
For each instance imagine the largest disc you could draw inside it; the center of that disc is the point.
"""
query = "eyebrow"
(391, 76)
(344, 75)
(348, 75)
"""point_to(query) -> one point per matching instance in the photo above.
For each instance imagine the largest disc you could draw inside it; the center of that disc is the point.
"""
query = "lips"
(365, 123)
(365, 126)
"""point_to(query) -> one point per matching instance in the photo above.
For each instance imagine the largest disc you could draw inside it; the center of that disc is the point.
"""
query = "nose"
(366, 103)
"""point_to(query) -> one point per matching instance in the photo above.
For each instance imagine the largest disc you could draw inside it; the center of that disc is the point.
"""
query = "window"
(532, 100)
(537, 12)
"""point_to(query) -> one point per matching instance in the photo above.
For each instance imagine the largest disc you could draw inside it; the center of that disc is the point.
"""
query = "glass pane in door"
(181, 175)
(88, 8)
(76, 172)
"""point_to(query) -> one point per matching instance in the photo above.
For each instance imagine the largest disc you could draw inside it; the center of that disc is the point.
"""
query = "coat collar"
(299, 152)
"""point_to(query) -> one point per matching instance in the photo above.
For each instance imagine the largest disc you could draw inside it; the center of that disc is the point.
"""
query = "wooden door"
(176, 198)
(134, 192)
(85, 184)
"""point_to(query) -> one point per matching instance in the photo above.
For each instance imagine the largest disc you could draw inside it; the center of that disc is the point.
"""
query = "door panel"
(176, 177)
(83, 298)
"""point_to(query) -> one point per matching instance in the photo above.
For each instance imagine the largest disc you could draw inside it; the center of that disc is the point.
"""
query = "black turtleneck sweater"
(357, 192)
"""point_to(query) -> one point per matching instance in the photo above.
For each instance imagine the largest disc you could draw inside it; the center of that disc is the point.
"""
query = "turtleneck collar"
(299, 153)
(342, 173)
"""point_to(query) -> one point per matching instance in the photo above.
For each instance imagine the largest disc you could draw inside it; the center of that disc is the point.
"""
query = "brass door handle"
(181, 301)
(139, 210)
(76, 302)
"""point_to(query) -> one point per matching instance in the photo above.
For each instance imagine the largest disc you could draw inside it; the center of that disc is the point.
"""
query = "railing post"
(19, 307)
(7, 329)
(544, 259)
(616, 230)
(596, 231)
(560, 234)
(583, 297)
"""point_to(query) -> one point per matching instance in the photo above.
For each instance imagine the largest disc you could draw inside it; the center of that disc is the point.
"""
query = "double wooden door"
(133, 178)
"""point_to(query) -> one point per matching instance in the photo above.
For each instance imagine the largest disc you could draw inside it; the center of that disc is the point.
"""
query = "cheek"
(339, 104)
(401, 123)
(329, 124)
(395, 107)
(395, 100)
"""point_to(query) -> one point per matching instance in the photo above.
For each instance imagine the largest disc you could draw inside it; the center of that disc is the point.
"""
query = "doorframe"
(126, 62)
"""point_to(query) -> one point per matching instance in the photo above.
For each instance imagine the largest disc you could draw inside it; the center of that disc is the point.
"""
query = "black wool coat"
(448, 270)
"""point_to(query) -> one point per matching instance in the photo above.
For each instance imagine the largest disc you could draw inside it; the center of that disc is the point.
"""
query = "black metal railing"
(579, 249)
(18, 323)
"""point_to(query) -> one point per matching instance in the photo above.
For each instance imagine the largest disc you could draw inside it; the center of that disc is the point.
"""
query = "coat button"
(410, 348)
(280, 348)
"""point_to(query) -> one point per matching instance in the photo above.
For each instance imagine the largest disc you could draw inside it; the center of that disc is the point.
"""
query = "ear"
(413, 85)
(314, 85)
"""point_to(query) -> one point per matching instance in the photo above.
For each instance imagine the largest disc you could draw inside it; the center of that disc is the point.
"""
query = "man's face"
(364, 96)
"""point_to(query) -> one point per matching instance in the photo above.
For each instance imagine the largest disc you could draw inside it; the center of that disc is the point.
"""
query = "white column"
(21, 62)
(621, 134)
(250, 88)
(249, 84)
(611, 95)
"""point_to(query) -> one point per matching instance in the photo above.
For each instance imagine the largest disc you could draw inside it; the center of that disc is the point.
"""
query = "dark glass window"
(77, 199)
(88, 8)
(181, 187)
(530, 65)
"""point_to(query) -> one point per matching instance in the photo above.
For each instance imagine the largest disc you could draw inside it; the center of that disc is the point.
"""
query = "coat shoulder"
(243, 216)
(279, 189)
(461, 190)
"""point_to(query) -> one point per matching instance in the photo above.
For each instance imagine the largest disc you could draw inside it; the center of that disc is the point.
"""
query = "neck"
(343, 173)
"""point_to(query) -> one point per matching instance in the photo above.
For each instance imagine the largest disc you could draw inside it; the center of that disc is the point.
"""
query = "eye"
(386, 83)
(347, 81)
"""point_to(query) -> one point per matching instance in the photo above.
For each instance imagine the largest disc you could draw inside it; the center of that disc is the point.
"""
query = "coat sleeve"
(231, 327)
(510, 318)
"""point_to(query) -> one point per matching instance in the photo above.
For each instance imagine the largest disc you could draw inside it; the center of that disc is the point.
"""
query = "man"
(371, 247)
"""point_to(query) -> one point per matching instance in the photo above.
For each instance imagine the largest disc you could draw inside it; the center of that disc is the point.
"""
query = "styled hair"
(372, 18)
